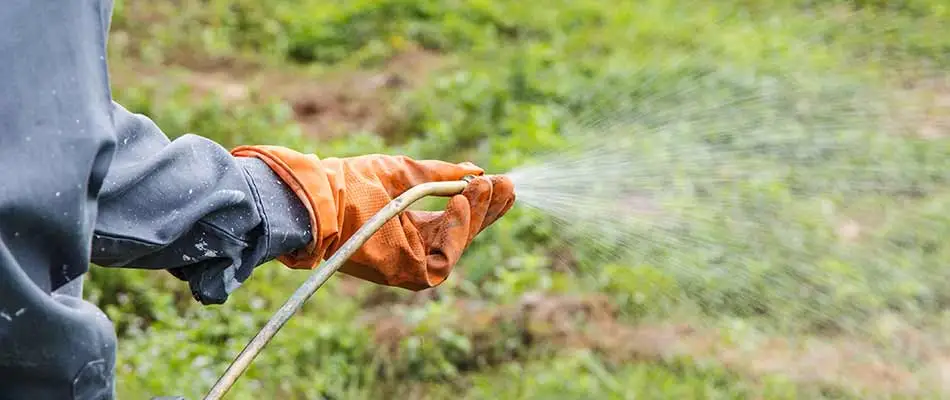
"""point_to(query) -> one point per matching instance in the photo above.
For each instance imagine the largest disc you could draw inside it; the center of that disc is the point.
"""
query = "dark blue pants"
(82, 179)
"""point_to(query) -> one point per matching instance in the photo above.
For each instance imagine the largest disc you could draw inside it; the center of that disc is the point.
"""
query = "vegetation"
(496, 82)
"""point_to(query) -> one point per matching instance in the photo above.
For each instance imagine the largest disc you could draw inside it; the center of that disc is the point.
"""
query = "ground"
(528, 314)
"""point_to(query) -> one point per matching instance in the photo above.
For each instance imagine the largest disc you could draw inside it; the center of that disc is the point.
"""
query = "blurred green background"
(526, 314)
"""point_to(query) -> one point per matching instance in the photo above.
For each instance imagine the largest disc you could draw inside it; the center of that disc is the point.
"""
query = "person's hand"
(415, 250)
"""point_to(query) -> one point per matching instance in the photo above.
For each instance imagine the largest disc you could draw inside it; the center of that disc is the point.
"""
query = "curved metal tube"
(320, 275)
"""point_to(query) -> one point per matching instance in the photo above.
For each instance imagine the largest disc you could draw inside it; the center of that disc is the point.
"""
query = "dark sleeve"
(56, 142)
(188, 206)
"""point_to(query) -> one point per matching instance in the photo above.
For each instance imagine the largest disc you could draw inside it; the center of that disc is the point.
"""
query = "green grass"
(582, 376)
(516, 74)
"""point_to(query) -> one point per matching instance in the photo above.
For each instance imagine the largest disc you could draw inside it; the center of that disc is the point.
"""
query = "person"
(83, 179)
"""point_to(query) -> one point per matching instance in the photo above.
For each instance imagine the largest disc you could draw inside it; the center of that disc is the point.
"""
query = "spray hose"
(320, 275)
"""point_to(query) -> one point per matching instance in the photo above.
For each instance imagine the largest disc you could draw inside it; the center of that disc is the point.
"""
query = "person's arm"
(187, 205)
(211, 216)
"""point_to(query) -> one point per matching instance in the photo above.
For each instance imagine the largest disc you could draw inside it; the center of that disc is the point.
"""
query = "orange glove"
(417, 249)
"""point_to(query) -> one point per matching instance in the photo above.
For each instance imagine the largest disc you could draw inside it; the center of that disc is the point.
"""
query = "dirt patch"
(920, 107)
(326, 105)
(226, 83)
(360, 101)
(842, 363)
(849, 230)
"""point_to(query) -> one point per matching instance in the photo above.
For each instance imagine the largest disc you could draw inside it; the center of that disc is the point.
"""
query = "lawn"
(832, 292)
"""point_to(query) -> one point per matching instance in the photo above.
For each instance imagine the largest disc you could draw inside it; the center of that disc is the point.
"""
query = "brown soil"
(921, 105)
(359, 101)
(844, 363)
(325, 105)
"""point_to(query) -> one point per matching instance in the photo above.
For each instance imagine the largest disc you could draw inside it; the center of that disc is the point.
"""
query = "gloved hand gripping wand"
(322, 273)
